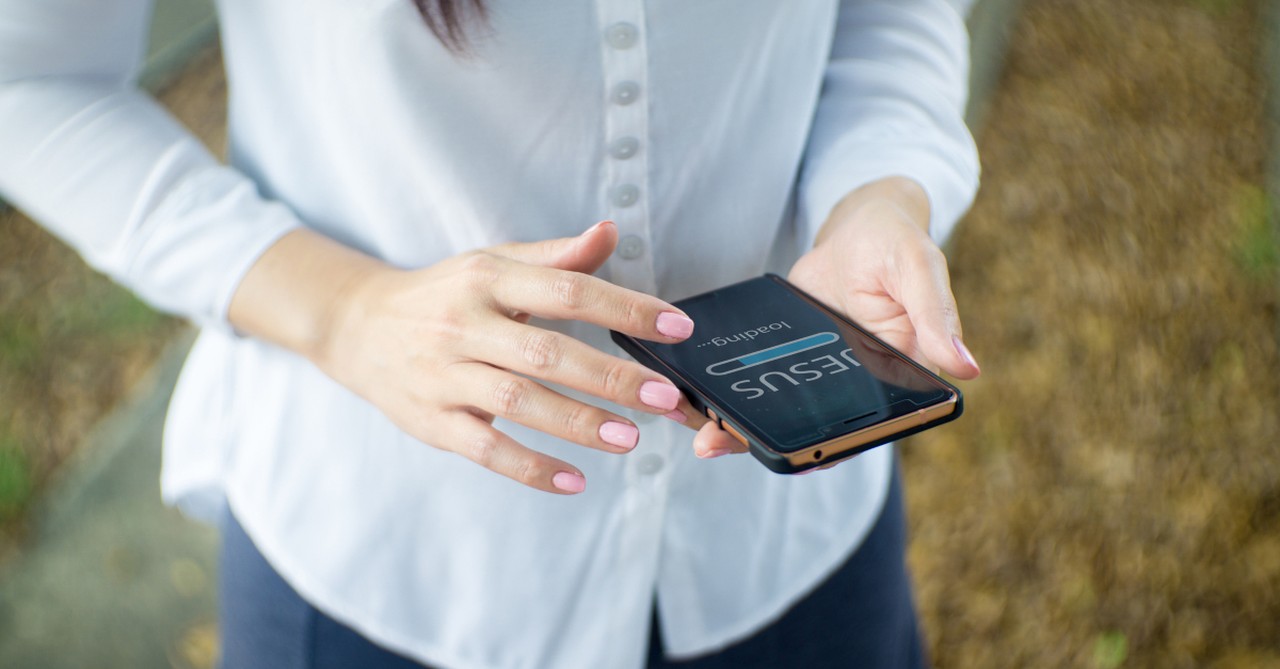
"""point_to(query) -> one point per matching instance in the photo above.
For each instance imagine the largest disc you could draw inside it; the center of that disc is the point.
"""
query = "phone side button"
(736, 434)
(711, 413)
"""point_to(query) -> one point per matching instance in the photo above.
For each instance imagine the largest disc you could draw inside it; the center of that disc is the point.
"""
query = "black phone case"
(770, 457)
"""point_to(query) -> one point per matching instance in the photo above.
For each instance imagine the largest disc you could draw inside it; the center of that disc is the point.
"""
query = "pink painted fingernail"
(619, 434)
(715, 453)
(676, 415)
(676, 326)
(659, 395)
(569, 482)
(965, 354)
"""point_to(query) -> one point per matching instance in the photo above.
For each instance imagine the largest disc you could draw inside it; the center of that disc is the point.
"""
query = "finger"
(686, 415)
(557, 294)
(585, 253)
(561, 359)
(900, 334)
(926, 295)
(887, 366)
(533, 405)
(713, 442)
(481, 443)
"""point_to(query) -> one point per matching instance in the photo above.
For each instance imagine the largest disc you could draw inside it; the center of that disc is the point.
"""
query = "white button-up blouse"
(717, 134)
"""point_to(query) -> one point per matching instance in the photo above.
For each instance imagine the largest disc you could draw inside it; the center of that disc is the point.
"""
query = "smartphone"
(801, 385)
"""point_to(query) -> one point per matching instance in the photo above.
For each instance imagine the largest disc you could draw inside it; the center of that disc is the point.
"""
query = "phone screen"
(790, 371)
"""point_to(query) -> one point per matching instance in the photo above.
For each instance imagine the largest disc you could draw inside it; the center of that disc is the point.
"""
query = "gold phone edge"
(867, 435)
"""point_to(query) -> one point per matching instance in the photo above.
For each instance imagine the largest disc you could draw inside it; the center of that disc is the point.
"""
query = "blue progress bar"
(772, 353)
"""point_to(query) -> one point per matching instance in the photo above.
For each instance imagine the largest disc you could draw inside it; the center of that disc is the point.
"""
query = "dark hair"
(447, 20)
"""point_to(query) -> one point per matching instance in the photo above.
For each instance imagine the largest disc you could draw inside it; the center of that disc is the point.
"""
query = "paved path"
(111, 578)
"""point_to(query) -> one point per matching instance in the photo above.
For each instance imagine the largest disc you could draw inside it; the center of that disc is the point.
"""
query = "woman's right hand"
(444, 350)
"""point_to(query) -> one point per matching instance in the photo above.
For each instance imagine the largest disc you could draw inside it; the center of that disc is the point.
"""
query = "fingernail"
(677, 415)
(569, 482)
(715, 453)
(676, 326)
(619, 434)
(659, 395)
(965, 354)
(595, 227)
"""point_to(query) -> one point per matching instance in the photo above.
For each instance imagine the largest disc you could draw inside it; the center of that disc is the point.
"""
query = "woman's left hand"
(873, 261)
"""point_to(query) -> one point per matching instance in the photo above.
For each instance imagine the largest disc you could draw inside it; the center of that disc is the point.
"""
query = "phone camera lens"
(817, 455)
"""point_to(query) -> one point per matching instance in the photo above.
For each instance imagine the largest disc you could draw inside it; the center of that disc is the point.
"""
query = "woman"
(392, 274)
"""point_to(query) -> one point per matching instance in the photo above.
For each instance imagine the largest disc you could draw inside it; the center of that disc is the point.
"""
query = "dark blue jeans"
(862, 616)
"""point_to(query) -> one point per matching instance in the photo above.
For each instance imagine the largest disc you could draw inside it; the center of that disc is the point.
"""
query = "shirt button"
(650, 464)
(624, 147)
(625, 195)
(624, 93)
(621, 35)
(630, 247)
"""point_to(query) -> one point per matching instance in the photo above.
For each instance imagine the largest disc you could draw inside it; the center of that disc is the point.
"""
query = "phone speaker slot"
(858, 418)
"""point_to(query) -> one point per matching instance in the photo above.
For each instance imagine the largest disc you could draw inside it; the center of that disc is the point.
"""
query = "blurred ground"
(1112, 495)
(108, 577)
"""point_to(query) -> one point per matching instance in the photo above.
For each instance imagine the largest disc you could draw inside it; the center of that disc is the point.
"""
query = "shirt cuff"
(949, 184)
(194, 248)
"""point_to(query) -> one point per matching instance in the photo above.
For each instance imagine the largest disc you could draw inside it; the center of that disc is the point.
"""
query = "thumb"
(584, 253)
(926, 295)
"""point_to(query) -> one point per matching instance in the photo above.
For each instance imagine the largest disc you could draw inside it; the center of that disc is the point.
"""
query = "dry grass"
(1113, 494)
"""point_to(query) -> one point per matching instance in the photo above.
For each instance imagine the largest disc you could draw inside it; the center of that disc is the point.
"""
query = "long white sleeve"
(103, 167)
(893, 104)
